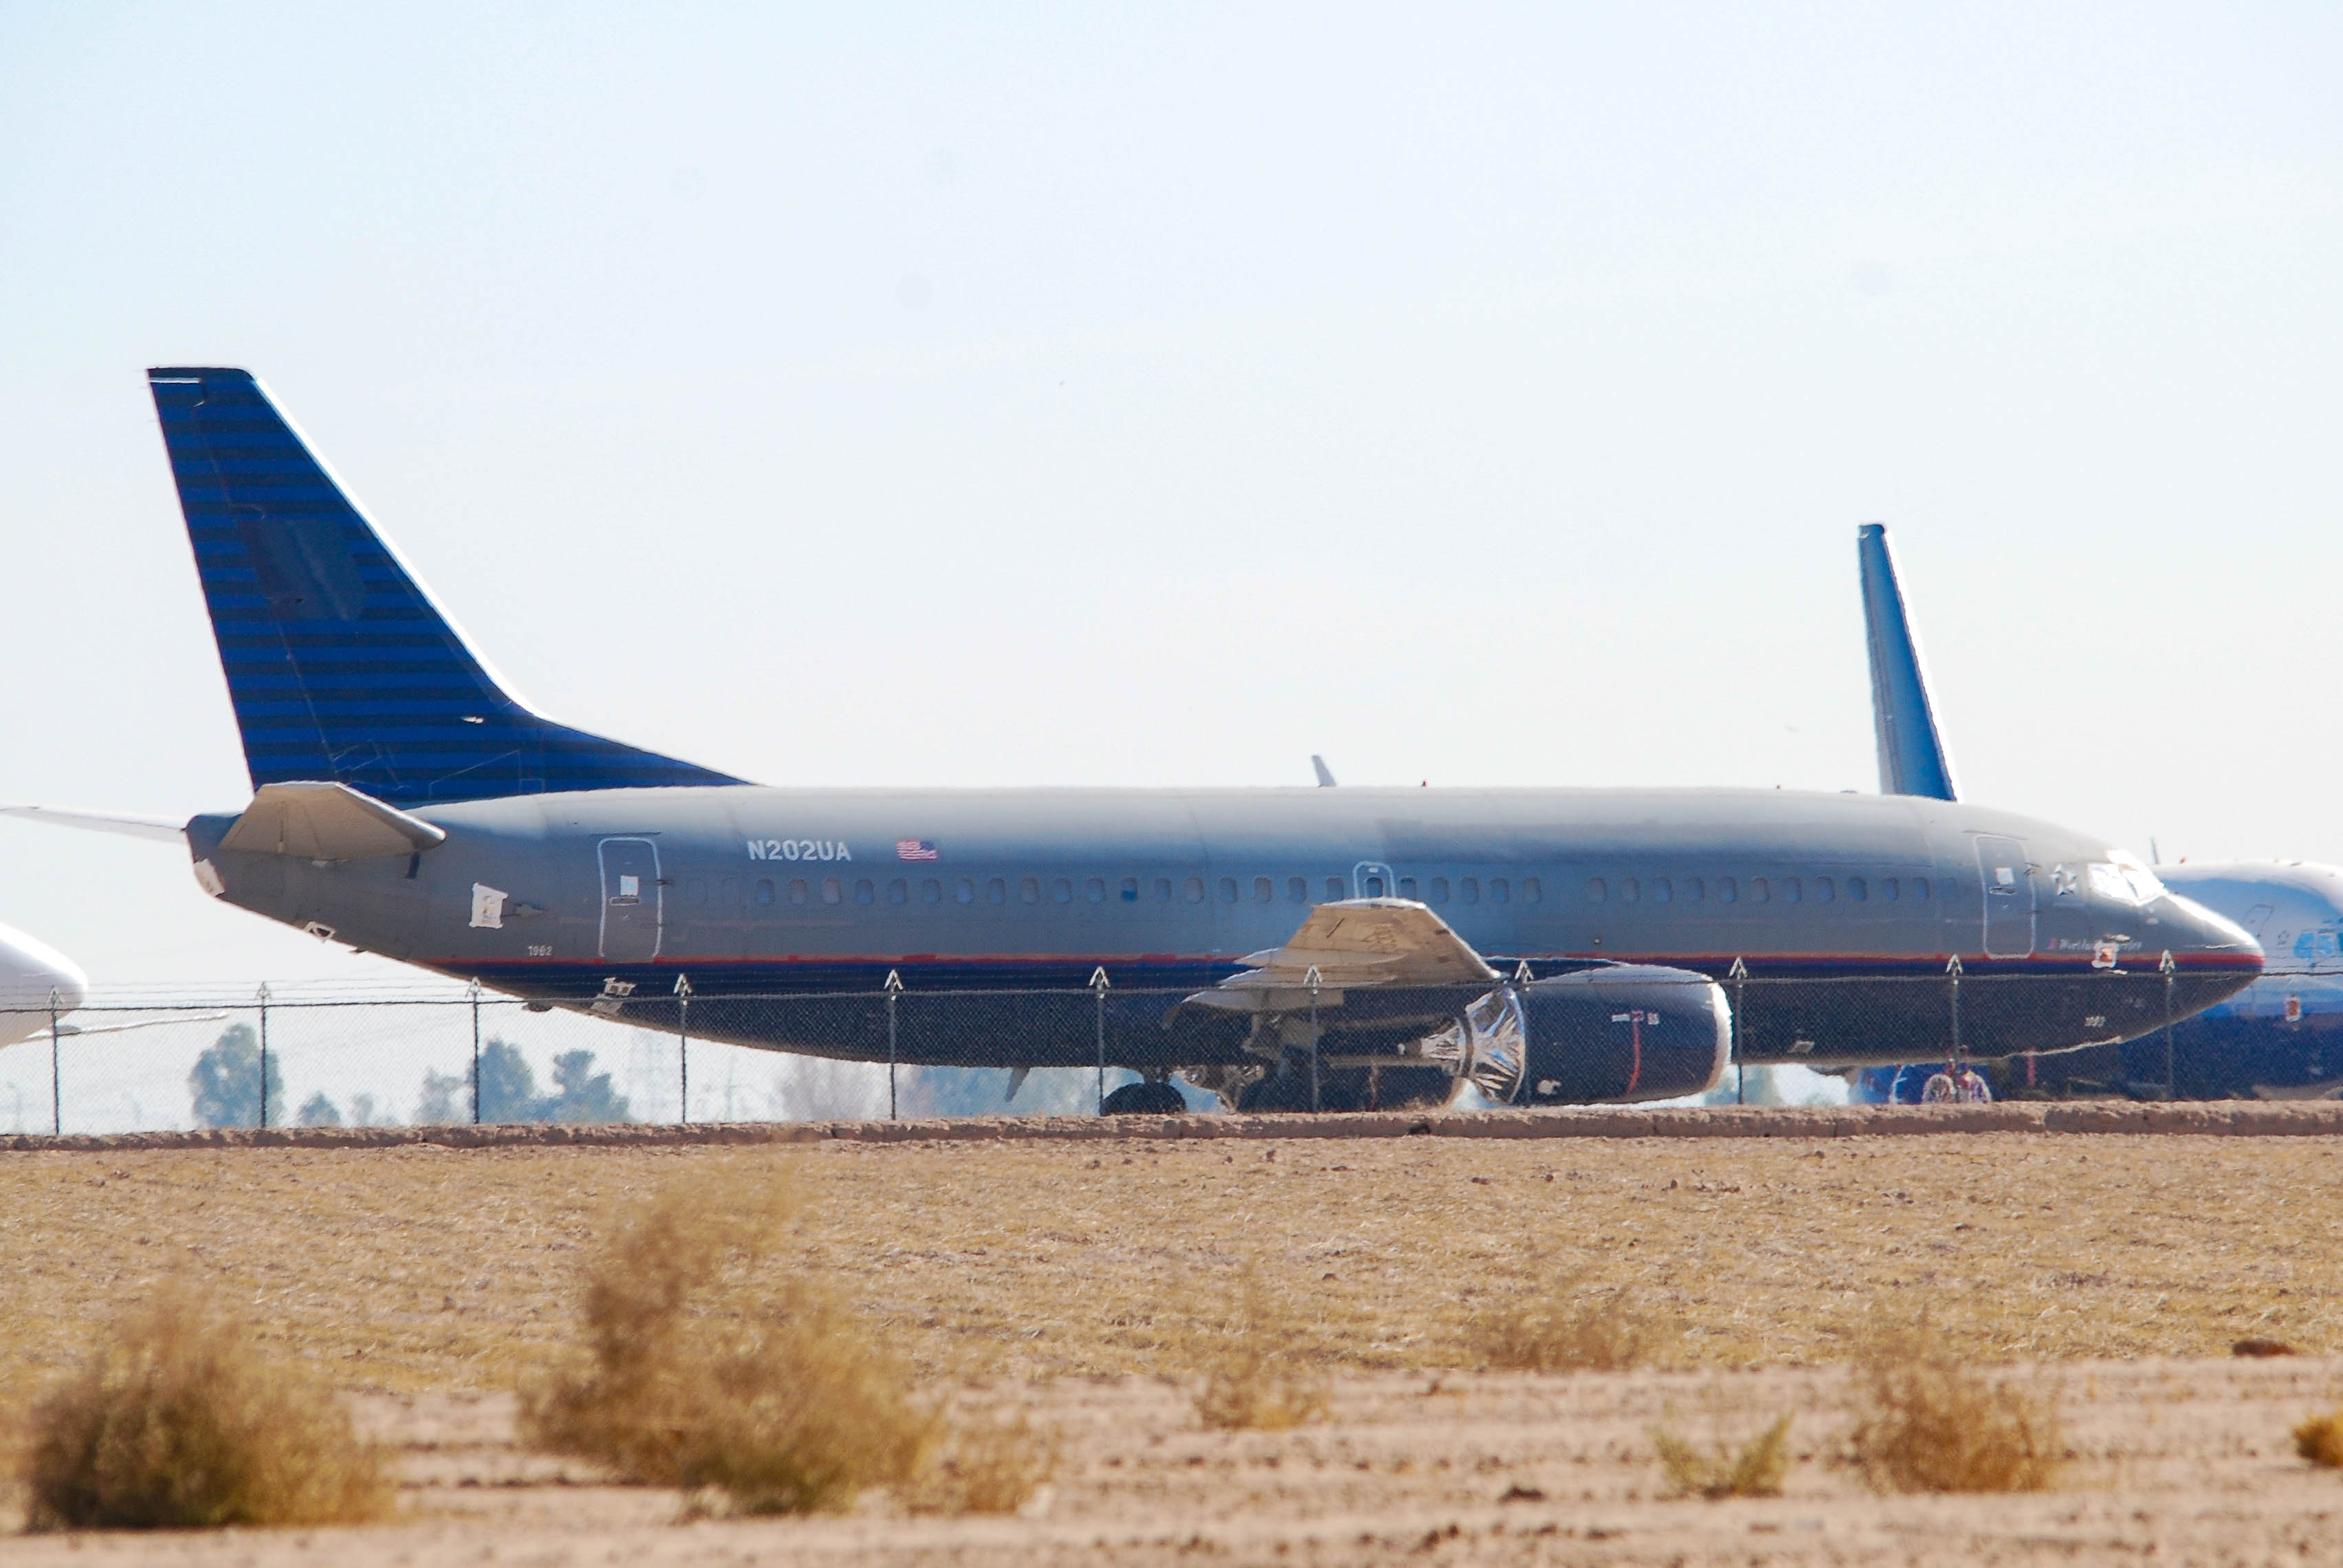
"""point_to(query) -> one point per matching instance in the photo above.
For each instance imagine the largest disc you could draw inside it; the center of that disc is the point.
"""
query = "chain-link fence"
(139, 1062)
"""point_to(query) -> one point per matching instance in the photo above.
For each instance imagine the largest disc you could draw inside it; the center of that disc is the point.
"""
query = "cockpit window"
(2123, 879)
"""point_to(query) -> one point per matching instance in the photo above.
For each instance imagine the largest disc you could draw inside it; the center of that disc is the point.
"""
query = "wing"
(1354, 945)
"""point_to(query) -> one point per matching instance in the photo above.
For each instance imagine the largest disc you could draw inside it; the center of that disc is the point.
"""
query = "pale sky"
(843, 395)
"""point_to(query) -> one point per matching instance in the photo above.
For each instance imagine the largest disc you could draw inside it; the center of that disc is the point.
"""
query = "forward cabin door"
(633, 907)
(2009, 897)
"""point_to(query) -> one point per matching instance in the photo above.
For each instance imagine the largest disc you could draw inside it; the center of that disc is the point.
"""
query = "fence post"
(683, 1046)
(1739, 975)
(263, 1054)
(476, 1052)
(1952, 978)
(1097, 990)
(894, 988)
(56, 1090)
(2169, 1085)
(1315, 980)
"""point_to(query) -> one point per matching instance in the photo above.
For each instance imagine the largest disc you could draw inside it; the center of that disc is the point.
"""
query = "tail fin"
(1912, 760)
(340, 667)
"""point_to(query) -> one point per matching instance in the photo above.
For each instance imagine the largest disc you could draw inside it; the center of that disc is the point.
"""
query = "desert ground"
(2111, 1274)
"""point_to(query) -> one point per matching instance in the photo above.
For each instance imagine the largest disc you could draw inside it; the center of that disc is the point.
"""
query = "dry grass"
(2319, 1439)
(1253, 1366)
(1566, 1326)
(1932, 1422)
(1756, 1468)
(704, 1376)
(410, 1270)
(175, 1423)
(984, 1465)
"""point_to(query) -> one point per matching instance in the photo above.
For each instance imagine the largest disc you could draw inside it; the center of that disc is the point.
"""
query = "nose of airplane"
(2213, 957)
(31, 971)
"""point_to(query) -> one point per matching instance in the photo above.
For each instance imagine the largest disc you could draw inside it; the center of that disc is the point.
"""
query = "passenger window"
(1887, 888)
(1162, 890)
(1501, 891)
(1264, 890)
(1374, 888)
(797, 890)
(1824, 891)
(1858, 889)
(1095, 889)
(1228, 889)
(1194, 890)
(834, 891)
(1468, 889)
(1335, 891)
(864, 892)
(1695, 890)
(1407, 888)
(1630, 890)
(1130, 890)
(1297, 889)
(1532, 892)
(764, 890)
(1029, 889)
(1062, 890)
(1439, 890)
(898, 891)
(1920, 889)
(930, 891)
(964, 891)
(1661, 890)
(996, 891)
(1727, 891)
(1596, 891)
(1758, 891)
(1791, 890)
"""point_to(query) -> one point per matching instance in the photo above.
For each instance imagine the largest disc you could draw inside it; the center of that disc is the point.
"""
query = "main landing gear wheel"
(1275, 1094)
(1145, 1100)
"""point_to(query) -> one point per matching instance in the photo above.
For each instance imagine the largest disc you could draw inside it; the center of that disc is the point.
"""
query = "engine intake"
(1620, 1034)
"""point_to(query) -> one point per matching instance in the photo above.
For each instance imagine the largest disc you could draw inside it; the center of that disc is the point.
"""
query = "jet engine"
(1622, 1033)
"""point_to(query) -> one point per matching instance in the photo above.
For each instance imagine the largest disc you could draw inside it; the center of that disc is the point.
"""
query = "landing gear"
(1144, 1098)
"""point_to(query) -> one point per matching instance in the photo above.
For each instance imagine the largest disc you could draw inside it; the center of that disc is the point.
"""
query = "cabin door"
(2009, 897)
(633, 909)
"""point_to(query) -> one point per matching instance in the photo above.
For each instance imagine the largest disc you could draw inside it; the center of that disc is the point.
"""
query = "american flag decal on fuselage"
(916, 849)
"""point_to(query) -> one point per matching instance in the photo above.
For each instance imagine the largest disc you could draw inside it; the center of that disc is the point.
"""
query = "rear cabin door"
(1372, 880)
(2009, 897)
(633, 910)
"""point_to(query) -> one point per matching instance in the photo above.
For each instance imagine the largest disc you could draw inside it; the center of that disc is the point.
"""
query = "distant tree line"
(225, 1086)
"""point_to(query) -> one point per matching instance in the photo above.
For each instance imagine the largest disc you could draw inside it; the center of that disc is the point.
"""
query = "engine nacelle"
(1623, 1033)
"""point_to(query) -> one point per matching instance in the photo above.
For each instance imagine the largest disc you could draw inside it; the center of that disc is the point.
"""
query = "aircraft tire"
(1145, 1100)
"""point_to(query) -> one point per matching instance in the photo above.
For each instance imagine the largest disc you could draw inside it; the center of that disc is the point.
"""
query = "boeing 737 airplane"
(2282, 1036)
(1550, 945)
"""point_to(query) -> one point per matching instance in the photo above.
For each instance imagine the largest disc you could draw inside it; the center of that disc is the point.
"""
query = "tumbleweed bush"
(177, 1422)
(1756, 1468)
(1253, 1367)
(1930, 1421)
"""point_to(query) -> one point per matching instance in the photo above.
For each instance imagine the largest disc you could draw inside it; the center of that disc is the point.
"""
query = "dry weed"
(1756, 1468)
(1932, 1422)
(177, 1422)
(777, 1397)
(2319, 1439)
(1555, 1326)
(984, 1466)
(1254, 1375)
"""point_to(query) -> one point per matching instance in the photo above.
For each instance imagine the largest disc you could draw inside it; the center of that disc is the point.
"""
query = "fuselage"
(609, 896)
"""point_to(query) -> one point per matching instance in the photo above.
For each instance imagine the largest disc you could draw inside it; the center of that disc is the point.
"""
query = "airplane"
(1293, 947)
(2281, 1037)
(38, 985)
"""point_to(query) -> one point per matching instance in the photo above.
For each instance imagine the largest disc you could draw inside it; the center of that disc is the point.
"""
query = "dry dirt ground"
(430, 1282)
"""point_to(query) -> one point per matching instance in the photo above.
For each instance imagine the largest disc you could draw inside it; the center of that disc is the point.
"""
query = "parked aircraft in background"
(2281, 1037)
(1550, 945)
(37, 985)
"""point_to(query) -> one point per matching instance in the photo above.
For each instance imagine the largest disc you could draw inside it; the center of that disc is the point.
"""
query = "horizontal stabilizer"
(327, 822)
(159, 829)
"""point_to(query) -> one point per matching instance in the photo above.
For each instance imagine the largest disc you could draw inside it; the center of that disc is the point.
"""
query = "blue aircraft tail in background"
(339, 665)
(1912, 760)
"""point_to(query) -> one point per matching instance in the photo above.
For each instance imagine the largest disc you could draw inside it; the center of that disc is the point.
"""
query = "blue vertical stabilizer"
(339, 665)
(1912, 760)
